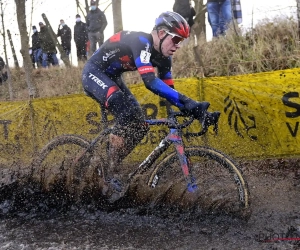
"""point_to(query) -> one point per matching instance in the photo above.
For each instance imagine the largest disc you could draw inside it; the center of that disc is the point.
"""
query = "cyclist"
(131, 51)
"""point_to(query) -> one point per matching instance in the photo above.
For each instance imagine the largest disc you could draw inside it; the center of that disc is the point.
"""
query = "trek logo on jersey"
(97, 80)
(145, 56)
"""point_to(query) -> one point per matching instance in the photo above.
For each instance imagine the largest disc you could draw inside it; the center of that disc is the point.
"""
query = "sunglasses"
(176, 39)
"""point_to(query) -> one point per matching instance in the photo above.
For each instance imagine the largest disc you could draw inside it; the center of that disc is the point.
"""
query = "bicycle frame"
(174, 137)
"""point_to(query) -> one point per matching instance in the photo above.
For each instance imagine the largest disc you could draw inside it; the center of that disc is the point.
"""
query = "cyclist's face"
(168, 47)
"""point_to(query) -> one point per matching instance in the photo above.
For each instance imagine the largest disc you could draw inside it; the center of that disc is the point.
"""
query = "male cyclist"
(131, 51)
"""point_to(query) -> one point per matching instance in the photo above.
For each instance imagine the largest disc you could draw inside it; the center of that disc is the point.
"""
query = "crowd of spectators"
(87, 35)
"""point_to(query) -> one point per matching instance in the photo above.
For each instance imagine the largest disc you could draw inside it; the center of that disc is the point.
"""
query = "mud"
(33, 219)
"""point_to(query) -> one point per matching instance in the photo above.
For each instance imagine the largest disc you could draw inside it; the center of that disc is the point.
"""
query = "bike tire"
(55, 164)
(221, 184)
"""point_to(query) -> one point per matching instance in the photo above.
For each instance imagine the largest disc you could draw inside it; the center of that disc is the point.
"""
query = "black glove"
(194, 108)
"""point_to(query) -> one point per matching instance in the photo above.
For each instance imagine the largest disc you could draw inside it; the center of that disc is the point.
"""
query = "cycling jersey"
(130, 51)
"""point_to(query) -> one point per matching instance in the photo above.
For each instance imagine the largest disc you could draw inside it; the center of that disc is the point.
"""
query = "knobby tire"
(221, 184)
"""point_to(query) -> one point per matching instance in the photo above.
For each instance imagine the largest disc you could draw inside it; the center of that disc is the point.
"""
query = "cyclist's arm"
(164, 72)
(158, 87)
(145, 67)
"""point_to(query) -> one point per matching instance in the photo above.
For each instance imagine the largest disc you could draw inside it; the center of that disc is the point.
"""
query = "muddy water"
(32, 220)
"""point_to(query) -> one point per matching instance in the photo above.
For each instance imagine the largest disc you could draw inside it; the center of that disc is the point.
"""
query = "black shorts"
(112, 93)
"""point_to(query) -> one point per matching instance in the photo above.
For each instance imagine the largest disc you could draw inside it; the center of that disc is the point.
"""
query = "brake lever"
(215, 121)
(211, 119)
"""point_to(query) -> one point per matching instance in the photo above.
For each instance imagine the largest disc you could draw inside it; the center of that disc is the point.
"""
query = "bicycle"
(220, 180)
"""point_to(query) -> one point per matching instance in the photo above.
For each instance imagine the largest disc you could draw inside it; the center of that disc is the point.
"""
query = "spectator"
(3, 76)
(47, 45)
(32, 57)
(183, 8)
(192, 14)
(219, 16)
(96, 24)
(65, 36)
(237, 11)
(80, 38)
(36, 48)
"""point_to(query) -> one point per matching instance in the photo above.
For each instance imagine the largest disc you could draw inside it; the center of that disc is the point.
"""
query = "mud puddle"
(39, 222)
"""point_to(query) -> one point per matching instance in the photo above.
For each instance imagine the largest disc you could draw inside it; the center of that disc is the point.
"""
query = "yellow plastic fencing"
(259, 117)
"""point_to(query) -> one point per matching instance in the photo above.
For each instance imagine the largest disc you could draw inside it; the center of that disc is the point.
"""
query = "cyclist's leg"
(130, 127)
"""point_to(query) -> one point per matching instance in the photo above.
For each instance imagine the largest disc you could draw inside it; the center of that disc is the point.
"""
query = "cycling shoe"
(192, 187)
(113, 189)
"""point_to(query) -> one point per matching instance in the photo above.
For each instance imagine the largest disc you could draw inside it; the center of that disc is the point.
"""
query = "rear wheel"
(221, 185)
(66, 161)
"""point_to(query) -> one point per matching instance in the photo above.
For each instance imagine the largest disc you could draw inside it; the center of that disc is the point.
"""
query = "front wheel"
(221, 184)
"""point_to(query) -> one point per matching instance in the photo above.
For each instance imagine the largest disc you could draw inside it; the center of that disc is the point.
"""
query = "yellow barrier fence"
(259, 117)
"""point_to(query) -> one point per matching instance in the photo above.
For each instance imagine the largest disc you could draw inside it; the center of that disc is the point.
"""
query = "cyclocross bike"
(213, 180)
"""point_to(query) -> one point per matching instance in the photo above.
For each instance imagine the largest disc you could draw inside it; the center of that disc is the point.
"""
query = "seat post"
(104, 113)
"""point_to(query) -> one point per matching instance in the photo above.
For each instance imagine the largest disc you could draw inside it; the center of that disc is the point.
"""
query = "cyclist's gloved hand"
(194, 108)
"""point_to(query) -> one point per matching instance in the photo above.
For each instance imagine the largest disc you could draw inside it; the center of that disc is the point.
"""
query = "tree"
(27, 64)
(117, 15)
(298, 16)
(199, 26)
(5, 53)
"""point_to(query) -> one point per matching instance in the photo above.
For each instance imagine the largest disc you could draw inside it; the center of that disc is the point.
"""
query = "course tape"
(259, 117)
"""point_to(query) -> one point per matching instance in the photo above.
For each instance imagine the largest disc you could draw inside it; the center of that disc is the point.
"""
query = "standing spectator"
(3, 72)
(47, 45)
(65, 36)
(96, 24)
(219, 16)
(36, 47)
(80, 38)
(183, 8)
(237, 11)
(32, 57)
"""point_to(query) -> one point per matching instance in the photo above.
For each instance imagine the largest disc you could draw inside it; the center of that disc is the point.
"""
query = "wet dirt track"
(275, 203)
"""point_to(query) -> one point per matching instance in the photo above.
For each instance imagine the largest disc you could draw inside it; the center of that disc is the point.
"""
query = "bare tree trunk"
(87, 6)
(13, 50)
(117, 15)
(3, 34)
(31, 15)
(10, 89)
(199, 26)
(21, 17)
(298, 16)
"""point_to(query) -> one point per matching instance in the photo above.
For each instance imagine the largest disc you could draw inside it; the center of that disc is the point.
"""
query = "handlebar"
(209, 119)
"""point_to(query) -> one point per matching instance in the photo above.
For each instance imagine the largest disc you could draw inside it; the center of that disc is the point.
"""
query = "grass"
(271, 45)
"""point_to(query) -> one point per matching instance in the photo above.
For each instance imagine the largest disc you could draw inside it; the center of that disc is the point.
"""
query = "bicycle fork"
(176, 139)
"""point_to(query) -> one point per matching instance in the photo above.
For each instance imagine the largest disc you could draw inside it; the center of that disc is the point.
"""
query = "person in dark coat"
(66, 35)
(183, 8)
(3, 75)
(80, 38)
(47, 45)
(96, 23)
(36, 48)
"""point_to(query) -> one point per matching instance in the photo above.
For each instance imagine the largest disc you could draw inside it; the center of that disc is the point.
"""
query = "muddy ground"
(275, 196)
